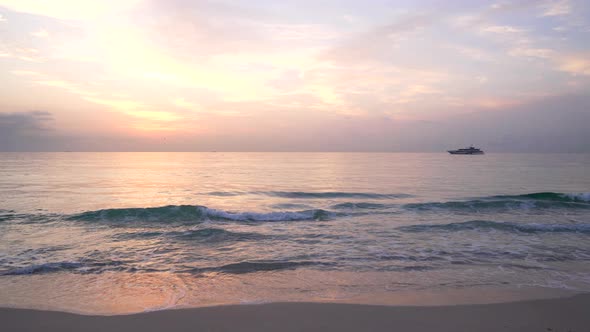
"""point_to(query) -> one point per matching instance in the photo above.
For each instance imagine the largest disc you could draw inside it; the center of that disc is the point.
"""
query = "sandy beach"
(563, 314)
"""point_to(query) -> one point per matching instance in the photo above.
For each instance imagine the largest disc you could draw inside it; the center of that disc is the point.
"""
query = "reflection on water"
(128, 232)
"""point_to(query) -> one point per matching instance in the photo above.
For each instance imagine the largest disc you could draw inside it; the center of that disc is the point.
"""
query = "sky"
(261, 75)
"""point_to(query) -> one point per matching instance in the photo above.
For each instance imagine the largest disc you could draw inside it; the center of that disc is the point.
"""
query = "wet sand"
(563, 314)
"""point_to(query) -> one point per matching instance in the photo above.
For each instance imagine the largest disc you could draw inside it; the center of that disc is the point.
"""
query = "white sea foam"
(580, 196)
(43, 268)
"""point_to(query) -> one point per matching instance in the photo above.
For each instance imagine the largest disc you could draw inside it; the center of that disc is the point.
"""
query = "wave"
(43, 268)
(315, 214)
(191, 214)
(289, 206)
(7, 217)
(205, 235)
(72, 267)
(476, 205)
(310, 195)
(551, 196)
(194, 213)
(24, 218)
(95, 267)
(226, 193)
(501, 226)
(217, 235)
(255, 266)
(360, 206)
(542, 200)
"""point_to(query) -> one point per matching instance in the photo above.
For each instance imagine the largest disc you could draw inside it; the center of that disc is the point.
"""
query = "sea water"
(127, 232)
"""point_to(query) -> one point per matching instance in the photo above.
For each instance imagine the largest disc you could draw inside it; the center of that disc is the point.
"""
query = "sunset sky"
(261, 75)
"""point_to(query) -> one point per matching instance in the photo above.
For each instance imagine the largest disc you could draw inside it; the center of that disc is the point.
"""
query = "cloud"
(556, 124)
(70, 9)
(23, 130)
(42, 33)
(575, 64)
(375, 43)
(472, 53)
(66, 85)
(205, 28)
(25, 122)
(147, 119)
(124, 105)
(34, 131)
(549, 124)
(528, 43)
(502, 29)
(46, 80)
(156, 116)
(25, 73)
(197, 66)
(525, 51)
(183, 103)
(28, 54)
(418, 90)
(556, 8)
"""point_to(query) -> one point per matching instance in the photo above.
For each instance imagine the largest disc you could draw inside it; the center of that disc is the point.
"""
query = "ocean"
(109, 233)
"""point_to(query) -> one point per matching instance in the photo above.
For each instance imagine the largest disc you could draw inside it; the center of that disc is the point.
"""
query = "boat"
(469, 150)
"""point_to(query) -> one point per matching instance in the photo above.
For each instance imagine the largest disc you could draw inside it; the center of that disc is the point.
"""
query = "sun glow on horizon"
(178, 65)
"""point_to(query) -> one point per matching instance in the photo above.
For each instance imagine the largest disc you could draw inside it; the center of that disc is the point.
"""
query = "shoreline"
(128, 293)
(555, 314)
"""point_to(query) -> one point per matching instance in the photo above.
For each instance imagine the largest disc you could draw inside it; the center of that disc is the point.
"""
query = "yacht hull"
(465, 153)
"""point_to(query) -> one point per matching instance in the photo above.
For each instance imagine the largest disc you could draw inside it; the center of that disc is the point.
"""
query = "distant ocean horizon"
(121, 232)
(418, 151)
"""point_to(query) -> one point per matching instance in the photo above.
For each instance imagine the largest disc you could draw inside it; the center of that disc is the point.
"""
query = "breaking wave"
(551, 196)
(194, 213)
(542, 200)
(326, 210)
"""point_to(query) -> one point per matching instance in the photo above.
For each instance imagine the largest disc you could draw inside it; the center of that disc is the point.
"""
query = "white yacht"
(469, 150)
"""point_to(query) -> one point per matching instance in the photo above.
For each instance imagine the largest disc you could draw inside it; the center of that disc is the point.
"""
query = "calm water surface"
(127, 232)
